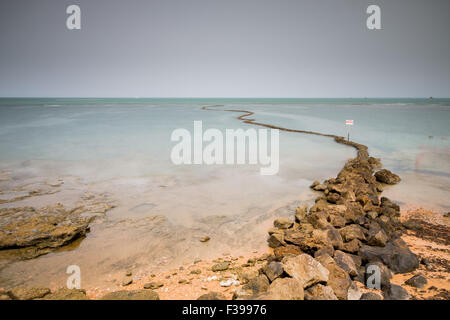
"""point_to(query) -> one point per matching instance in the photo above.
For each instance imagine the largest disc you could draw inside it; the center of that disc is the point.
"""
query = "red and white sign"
(349, 122)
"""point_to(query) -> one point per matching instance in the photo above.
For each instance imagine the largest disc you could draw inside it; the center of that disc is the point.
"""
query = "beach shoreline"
(189, 281)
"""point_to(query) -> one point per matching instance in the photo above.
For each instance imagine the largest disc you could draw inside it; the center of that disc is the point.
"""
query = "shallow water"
(119, 149)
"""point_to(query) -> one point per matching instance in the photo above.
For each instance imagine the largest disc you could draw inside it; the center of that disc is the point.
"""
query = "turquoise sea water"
(120, 148)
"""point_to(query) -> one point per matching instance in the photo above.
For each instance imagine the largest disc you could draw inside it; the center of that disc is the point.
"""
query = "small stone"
(221, 266)
(128, 273)
(127, 281)
(153, 285)
(197, 261)
(205, 239)
(196, 271)
(229, 282)
(181, 281)
(418, 281)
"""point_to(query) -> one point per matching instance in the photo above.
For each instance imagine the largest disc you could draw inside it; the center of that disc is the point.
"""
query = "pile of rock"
(331, 245)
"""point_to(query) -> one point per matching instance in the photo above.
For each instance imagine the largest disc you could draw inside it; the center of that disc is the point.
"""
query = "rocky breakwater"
(329, 247)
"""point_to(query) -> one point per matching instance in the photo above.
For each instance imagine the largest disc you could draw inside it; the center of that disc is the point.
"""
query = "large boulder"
(338, 279)
(305, 269)
(386, 176)
(396, 255)
(346, 262)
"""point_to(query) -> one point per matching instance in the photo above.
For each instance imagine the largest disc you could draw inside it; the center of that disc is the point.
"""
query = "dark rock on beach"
(417, 281)
(395, 292)
(386, 176)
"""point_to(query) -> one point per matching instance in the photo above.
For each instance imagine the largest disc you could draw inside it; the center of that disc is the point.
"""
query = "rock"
(337, 221)
(131, 295)
(333, 197)
(418, 281)
(324, 250)
(320, 187)
(314, 184)
(300, 213)
(305, 269)
(396, 255)
(344, 261)
(229, 283)
(212, 296)
(338, 279)
(196, 271)
(352, 232)
(205, 239)
(276, 240)
(67, 294)
(372, 214)
(353, 292)
(283, 223)
(221, 266)
(352, 246)
(386, 176)
(273, 270)
(25, 293)
(32, 232)
(153, 285)
(447, 215)
(371, 296)
(127, 281)
(320, 292)
(254, 287)
(245, 275)
(395, 292)
(182, 281)
(4, 296)
(289, 249)
(271, 231)
(284, 289)
(378, 238)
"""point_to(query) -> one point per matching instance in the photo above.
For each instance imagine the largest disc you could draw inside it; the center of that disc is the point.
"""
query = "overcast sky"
(225, 48)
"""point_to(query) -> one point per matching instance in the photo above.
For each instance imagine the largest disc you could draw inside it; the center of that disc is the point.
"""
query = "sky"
(224, 48)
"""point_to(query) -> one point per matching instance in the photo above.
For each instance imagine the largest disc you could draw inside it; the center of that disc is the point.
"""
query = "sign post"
(348, 123)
